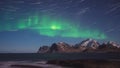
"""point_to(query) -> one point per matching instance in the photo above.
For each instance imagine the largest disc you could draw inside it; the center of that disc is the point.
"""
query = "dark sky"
(96, 19)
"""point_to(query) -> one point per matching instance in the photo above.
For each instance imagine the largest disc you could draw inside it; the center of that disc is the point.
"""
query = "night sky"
(25, 25)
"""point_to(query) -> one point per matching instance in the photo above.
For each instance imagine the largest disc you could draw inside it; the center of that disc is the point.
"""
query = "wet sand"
(27, 64)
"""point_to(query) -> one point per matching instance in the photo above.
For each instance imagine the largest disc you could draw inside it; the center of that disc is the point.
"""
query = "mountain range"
(88, 45)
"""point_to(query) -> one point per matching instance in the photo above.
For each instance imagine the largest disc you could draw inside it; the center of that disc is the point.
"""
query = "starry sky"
(25, 25)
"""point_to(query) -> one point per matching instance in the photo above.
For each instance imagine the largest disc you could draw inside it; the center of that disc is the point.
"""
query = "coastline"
(27, 64)
(62, 64)
(60, 60)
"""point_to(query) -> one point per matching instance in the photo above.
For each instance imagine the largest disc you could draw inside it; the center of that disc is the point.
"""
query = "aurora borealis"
(25, 25)
(54, 27)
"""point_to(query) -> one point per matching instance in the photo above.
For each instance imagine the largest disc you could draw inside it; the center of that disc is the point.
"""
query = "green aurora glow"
(52, 27)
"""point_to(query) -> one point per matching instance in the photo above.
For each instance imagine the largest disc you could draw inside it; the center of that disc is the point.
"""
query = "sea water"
(57, 56)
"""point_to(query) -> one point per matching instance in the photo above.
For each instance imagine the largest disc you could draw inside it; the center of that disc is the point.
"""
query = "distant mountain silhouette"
(88, 45)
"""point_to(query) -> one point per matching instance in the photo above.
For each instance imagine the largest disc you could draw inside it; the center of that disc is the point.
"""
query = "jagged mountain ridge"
(88, 45)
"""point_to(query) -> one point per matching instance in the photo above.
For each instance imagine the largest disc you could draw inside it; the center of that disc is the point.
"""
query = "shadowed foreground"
(60, 60)
(87, 63)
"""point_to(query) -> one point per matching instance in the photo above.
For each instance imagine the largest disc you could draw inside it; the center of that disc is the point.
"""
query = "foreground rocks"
(88, 45)
(87, 63)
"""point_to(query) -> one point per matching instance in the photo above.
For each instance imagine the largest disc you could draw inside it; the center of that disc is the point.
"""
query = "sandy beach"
(27, 64)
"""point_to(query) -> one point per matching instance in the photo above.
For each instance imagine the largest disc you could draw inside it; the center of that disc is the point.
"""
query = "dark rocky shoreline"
(87, 63)
(25, 66)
